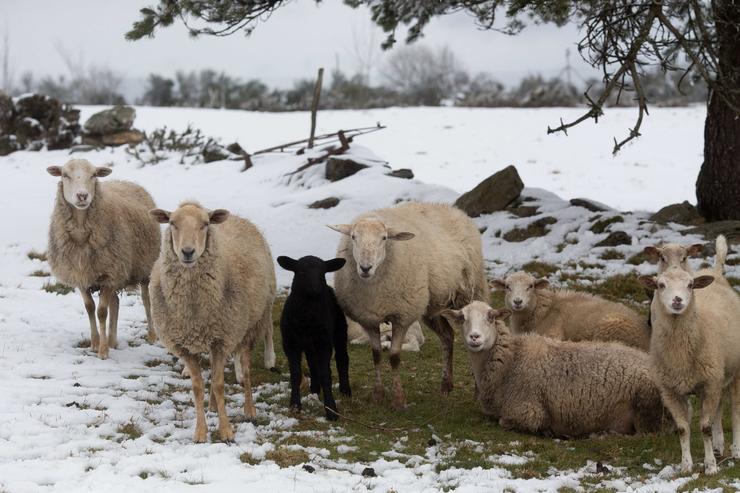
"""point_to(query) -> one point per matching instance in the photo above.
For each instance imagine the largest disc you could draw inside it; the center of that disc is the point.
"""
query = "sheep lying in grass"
(695, 349)
(569, 315)
(412, 342)
(102, 237)
(536, 384)
(212, 291)
(407, 263)
(313, 324)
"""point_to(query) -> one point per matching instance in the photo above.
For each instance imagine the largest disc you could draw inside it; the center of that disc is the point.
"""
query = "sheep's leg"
(113, 320)
(296, 374)
(269, 343)
(249, 410)
(196, 380)
(218, 362)
(446, 337)
(718, 435)
(314, 371)
(735, 410)
(680, 409)
(322, 363)
(398, 334)
(151, 336)
(238, 368)
(90, 308)
(103, 302)
(341, 356)
(709, 403)
(211, 393)
(373, 335)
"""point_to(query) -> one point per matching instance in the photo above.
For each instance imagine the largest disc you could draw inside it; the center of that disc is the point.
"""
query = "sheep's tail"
(721, 256)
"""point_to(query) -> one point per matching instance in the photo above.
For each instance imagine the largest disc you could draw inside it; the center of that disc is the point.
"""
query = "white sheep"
(412, 342)
(695, 349)
(212, 291)
(569, 315)
(407, 263)
(541, 385)
(102, 237)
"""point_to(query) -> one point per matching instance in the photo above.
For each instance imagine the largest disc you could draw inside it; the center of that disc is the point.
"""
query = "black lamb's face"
(310, 273)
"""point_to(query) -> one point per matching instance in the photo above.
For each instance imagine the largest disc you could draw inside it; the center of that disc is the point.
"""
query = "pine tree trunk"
(718, 184)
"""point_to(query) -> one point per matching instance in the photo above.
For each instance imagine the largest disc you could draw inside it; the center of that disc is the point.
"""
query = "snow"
(63, 409)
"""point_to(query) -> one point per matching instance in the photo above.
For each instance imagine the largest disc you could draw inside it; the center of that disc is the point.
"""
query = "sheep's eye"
(353, 237)
(661, 285)
(65, 175)
(173, 225)
(684, 258)
(691, 285)
(531, 286)
(385, 238)
(508, 288)
(662, 258)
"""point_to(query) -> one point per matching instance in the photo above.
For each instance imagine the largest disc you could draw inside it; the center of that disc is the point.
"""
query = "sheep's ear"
(541, 284)
(345, 229)
(498, 284)
(160, 215)
(502, 314)
(649, 282)
(455, 317)
(54, 170)
(702, 282)
(102, 171)
(287, 263)
(652, 251)
(218, 216)
(695, 250)
(334, 264)
(399, 235)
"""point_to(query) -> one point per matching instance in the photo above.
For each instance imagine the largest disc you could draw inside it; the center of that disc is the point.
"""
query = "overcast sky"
(292, 44)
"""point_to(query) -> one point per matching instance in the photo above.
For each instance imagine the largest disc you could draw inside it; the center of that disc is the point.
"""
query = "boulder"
(340, 168)
(683, 213)
(492, 194)
(130, 137)
(615, 238)
(533, 230)
(113, 120)
(404, 173)
(729, 228)
(587, 204)
(326, 203)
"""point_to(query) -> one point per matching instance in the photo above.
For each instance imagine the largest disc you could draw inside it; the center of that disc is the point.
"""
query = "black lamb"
(314, 324)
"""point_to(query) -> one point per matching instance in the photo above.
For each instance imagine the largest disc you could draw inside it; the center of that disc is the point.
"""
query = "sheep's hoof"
(151, 338)
(711, 470)
(345, 390)
(226, 433)
(686, 466)
(201, 434)
(399, 403)
(103, 352)
(378, 393)
(446, 387)
(330, 416)
(250, 411)
(735, 451)
(95, 343)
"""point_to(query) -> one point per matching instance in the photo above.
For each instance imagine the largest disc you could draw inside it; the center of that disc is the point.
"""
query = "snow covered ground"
(64, 413)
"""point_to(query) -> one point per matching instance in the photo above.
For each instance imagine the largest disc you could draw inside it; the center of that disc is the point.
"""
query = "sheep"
(313, 323)
(536, 384)
(102, 237)
(412, 342)
(212, 290)
(569, 315)
(673, 255)
(407, 263)
(695, 349)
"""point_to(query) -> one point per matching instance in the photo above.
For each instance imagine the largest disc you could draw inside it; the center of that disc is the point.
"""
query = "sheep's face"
(673, 255)
(477, 324)
(189, 228)
(675, 287)
(370, 239)
(79, 179)
(309, 273)
(520, 289)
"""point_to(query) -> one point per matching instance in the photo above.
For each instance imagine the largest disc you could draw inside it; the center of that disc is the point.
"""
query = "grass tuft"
(34, 255)
(540, 269)
(57, 288)
(130, 430)
(39, 273)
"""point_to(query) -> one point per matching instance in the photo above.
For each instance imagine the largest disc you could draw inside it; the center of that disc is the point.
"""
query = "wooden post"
(315, 106)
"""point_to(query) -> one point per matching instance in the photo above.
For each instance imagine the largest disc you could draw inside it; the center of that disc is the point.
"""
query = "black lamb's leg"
(341, 355)
(313, 371)
(323, 363)
(294, 363)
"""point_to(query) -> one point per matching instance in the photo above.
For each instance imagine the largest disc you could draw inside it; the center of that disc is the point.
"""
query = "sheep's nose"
(474, 336)
(81, 196)
(677, 299)
(365, 269)
(188, 252)
(518, 301)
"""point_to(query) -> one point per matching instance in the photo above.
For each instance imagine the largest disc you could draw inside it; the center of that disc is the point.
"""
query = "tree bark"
(718, 184)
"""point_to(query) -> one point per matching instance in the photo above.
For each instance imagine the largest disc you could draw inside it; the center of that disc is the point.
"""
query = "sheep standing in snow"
(102, 237)
(540, 385)
(569, 315)
(313, 324)
(407, 263)
(695, 349)
(212, 291)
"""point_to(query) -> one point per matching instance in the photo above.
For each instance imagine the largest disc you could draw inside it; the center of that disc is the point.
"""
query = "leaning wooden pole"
(315, 106)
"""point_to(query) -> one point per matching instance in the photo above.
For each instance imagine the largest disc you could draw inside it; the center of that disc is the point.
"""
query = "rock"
(309, 468)
(8, 144)
(587, 204)
(683, 213)
(130, 137)
(33, 122)
(340, 168)
(402, 173)
(326, 203)
(235, 148)
(731, 230)
(533, 230)
(215, 152)
(600, 226)
(116, 119)
(492, 194)
(368, 472)
(614, 239)
(523, 210)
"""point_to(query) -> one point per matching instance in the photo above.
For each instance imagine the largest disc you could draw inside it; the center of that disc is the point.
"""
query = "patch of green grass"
(130, 430)
(611, 254)
(622, 288)
(539, 269)
(247, 458)
(589, 265)
(155, 362)
(57, 288)
(34, 255)
(734, 281)
(733, 261)
(533, 230)
(640, 258)
(84, 343)
(285, 457)
(39, 273)
(601, 225)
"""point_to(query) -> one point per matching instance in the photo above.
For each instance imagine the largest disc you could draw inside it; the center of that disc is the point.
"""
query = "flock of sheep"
(568, 363)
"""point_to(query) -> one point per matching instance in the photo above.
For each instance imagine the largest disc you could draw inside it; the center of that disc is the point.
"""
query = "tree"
(159, 91)
(624, 38)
